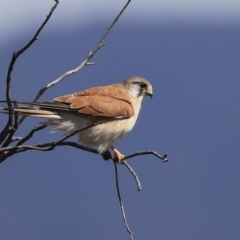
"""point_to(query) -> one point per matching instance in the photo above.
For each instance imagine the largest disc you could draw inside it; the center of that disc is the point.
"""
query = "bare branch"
(139, 186)
(30, 134)
(101, 42)
(49, 146)
(13, 129)
(164, 157)
(15, 56)
(86, 61)
(80, 130)
(9, 151)
(121, 203)
(44, 147)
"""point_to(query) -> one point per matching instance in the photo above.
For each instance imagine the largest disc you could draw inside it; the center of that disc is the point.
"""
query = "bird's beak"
(149, 92)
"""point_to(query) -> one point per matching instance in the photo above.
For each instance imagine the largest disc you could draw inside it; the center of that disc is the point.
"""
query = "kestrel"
(116, 106)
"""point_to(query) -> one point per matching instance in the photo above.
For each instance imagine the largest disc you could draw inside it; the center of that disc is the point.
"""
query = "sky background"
(190, 53)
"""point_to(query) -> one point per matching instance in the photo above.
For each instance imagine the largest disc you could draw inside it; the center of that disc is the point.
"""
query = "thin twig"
(111, 26)
(164, 157)
(13, 129)
(9, 151)
(30, 134)
(10, 123)
(44, 147)
(86, 61)
(121, 203)
(139, 186)
(80, 130)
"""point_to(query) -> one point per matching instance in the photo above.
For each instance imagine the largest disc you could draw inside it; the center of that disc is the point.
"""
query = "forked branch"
(86, 61)
(9, 129)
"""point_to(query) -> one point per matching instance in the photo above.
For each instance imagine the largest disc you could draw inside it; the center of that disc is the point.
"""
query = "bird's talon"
(117, 157)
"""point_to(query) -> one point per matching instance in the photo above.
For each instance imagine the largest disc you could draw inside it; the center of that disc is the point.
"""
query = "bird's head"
(138, 87)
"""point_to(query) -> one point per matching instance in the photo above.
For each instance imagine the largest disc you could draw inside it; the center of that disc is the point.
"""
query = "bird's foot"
(117, 157)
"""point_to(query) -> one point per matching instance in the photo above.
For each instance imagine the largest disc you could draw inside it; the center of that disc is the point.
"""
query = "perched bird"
(116, 106)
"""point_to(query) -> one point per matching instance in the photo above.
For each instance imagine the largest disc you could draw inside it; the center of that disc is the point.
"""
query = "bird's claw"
(117, 157)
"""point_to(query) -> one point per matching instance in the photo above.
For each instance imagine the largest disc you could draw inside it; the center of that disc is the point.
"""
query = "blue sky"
(193, 65)
(26, 13)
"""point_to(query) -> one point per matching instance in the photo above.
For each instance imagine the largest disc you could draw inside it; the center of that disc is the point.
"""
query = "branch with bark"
(11, 144)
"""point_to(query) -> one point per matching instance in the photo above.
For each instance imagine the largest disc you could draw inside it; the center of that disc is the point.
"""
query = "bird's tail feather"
(31, 112)
(32, 109)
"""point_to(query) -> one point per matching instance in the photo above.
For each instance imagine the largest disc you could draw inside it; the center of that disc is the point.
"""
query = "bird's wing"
(108, 101)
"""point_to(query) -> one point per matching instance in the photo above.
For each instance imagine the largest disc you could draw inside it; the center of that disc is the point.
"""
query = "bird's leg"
(118, 157)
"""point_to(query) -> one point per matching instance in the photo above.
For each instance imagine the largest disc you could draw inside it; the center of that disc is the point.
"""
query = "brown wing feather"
(115, 91)
(108, 101)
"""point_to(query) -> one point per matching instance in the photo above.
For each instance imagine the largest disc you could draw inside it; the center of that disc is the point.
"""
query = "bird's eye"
(142, 85)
